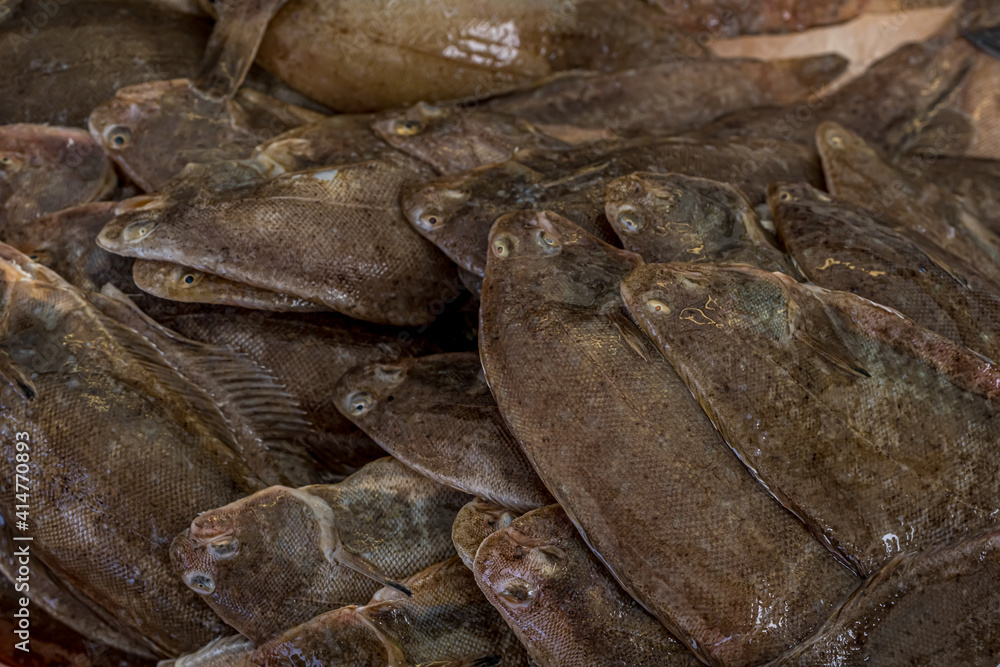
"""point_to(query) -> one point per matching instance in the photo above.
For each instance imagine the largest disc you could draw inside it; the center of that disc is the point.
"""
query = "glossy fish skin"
(630, 441)
(436, 414)
(362, 259)
(892, 445)
(677, 218)
(46, 169)
(475, 522)
(398, 55)
(859, 174)
(669, 97)
(107, 533)
(456, 212)
(534, 571)
(306, 354)
(446, 620)
(937, 606)
(453, 140)
(181, 283)
(843, 248)
(278, 558)
(152, 130)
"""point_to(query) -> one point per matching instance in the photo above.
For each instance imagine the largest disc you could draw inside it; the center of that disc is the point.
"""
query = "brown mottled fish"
(860, 174)
(436, 414)
(46, 169)
(152, 130)
(332, 235)
(976, 182)
(181, 283)
(278, 558)
(677, 218)
(633, 459)
(669, 97)
(456, 212)
(892, 447)
(475, 522)
(935, 607)
(399, 54)
(109, 499)
(534, 572)
(841, 247)
(455, 139)
(446, 623)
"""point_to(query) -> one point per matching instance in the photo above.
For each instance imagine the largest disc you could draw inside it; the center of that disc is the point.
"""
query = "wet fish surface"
(361, 258)
(533, 572)
(46, 169)
(436, 414)
(937, 606)
(273, 560)
(456, 212)
(891, 448)
(72, 378)
(677, 218)
(616, 437)
(840, 247)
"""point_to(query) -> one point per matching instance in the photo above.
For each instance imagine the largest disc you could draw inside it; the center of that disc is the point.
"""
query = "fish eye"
(548, 242)
(431, 220)
(5, 159)
(518, 593)
(200, 582)
(227, 547)
(835, 140)
(630, 221)
(360, 403)
(188, 279)
(408, 128)
(657, 306)
(501, 247)
(118, 136)
(785, 196)
(138, 230)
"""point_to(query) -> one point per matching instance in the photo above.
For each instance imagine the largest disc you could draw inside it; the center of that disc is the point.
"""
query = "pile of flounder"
(465, 333)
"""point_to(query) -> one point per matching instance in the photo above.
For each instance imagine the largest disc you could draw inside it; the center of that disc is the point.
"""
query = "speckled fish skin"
(534, 572)
(628, 441)
(861, 175)
(671, 96)
(456, 212)
(840, 247)
(677, 218)
(977, 182)
(46, 169)
(361, 257)
(152, 130)
(935, 607)
(436, 414)
(893, 444)
(475, 522)
(276, 559)
(88, 376)
(398, 55)
(182, 283)
(306, 355)
(446, 620)
(453, 140)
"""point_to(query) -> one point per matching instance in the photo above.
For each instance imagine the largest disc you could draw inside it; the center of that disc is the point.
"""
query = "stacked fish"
(469, 333)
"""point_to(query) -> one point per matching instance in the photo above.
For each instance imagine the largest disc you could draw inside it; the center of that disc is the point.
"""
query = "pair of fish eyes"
(225, 548)
(118, 136)
(548, 243)
(408, 128)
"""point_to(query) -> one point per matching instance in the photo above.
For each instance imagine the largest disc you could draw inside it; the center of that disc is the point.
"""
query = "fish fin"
(811, 325)
(233, 45)
(482, 661)
(986, 40)
(362, 565)
(585, 172)
(17, 377)
(395, 657)
(938, 256)
(630, 333)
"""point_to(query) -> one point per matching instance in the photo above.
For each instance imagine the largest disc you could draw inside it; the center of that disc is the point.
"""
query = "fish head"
(437, 210)
(361, 390)
(247, 556)
(476, 521)
(170, 281)
(151, 130)
(138, 226)
(794, 206)
(850, 162)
